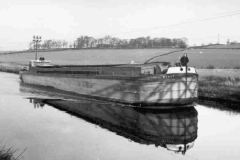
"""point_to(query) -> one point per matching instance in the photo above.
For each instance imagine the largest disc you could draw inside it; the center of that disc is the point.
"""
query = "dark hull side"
(167, 90)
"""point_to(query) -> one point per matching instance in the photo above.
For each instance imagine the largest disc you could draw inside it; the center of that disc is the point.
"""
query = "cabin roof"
(40, 61)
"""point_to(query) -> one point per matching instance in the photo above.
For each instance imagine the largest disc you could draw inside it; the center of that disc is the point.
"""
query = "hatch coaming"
(129, 70)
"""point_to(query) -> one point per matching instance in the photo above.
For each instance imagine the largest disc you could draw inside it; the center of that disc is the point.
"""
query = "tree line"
(109, 42)
(49, 44)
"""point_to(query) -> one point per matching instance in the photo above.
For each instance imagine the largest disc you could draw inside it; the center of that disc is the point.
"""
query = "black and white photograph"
(119, 80)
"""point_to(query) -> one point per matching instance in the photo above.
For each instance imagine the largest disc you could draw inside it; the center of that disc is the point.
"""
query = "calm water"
(108, 132)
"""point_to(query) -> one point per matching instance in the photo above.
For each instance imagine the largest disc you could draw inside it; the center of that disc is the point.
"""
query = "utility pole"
(36, 40)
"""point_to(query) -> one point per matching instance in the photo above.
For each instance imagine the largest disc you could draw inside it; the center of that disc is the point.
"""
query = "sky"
(69, 19)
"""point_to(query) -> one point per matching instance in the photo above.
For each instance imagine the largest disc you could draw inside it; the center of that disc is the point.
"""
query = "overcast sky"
(68, 19)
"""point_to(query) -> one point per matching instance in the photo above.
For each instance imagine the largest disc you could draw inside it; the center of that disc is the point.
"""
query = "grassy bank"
(11, 67)
(221, 86)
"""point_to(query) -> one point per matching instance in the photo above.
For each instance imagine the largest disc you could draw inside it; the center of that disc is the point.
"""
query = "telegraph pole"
(36, 40)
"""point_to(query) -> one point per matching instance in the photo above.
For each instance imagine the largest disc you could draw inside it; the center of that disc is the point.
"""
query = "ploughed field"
(200, 58)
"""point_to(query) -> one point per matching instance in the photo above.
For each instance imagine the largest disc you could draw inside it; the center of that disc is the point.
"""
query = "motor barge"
(149, 84)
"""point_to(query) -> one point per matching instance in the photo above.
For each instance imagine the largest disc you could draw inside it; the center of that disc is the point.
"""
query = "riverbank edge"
(204, 96)
(11, 67)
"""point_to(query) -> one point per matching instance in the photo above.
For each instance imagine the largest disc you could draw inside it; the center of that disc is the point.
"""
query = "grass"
(210, 67)
(227, 81)
(8, 154)
(222, 85)
(219, 75)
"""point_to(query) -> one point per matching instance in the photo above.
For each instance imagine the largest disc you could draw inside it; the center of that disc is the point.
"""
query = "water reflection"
(174, 129)
(229, 106)
(37, 103)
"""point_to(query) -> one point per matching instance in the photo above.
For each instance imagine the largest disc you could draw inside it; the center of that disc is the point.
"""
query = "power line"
(217, 16)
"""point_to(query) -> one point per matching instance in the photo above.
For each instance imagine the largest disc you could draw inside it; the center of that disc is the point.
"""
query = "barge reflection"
(174, 129)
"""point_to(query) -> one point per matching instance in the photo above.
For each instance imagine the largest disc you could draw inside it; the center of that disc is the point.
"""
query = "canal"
(36, 119)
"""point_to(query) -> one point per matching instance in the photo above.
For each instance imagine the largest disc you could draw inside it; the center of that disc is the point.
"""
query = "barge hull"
(178, 90)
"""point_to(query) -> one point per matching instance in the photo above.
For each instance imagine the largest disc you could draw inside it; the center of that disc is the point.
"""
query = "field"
(200, 58)
(223, 46)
